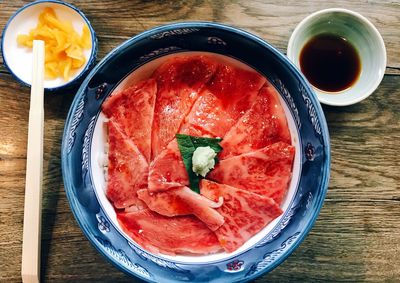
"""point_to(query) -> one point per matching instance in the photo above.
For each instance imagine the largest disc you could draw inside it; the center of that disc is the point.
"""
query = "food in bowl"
(84, 141)
(186, 101)
(354, 52)
(64, 47)
(18, 59)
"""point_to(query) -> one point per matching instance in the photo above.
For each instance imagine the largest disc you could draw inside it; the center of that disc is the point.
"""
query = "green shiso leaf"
(187, 145)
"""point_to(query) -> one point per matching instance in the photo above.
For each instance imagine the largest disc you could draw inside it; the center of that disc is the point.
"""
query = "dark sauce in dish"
(330, 62)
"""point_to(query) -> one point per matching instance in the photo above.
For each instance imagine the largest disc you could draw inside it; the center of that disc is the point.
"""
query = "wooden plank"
(273, 21)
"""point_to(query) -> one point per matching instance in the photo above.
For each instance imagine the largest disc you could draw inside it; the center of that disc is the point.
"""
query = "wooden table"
(357, 235)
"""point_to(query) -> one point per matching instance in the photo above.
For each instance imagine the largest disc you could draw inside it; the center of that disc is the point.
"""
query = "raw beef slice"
(183, 201)
(245, 213)
(264, 124)
(266, 171)
(179, 81)
(227, 96)
(127, 169)
(168, 170)
(132, 109)
(176, 235)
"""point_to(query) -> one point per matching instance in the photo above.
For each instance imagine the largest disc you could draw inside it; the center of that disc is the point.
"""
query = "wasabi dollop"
(203, 160)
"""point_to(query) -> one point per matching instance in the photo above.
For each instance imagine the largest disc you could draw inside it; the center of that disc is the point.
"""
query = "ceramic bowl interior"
(361, 34)
(98, 156)
(18, 59)
(84, 141)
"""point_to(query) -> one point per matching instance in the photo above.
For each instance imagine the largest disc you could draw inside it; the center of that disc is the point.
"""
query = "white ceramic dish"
(361, 33)
(19, 59)
(98, 155)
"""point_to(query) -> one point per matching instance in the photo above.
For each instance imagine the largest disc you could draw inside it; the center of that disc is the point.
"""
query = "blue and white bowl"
(18, 60)
(83, 146)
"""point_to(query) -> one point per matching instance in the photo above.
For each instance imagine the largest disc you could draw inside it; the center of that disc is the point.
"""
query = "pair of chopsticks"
(30, 267)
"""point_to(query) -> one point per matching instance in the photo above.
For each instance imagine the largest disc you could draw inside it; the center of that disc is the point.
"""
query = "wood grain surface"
(356, 236)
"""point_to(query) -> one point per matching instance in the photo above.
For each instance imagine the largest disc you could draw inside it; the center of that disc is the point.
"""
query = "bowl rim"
(291, 52)
(234, 30)
(90, 62)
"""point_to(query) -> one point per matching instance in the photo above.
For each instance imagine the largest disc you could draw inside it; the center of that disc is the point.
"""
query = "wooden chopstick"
(30, 267)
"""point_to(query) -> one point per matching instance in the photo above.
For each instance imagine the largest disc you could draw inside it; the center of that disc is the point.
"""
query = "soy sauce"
(330, 62)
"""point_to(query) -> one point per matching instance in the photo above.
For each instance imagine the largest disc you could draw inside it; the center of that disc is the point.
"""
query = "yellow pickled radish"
(64, 47)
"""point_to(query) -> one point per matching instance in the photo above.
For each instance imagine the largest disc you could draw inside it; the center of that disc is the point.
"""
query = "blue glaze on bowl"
(305, 109)
(91, 60)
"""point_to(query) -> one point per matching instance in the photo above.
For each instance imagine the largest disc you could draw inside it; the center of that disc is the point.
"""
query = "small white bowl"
(361, 33)
(18, 60)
